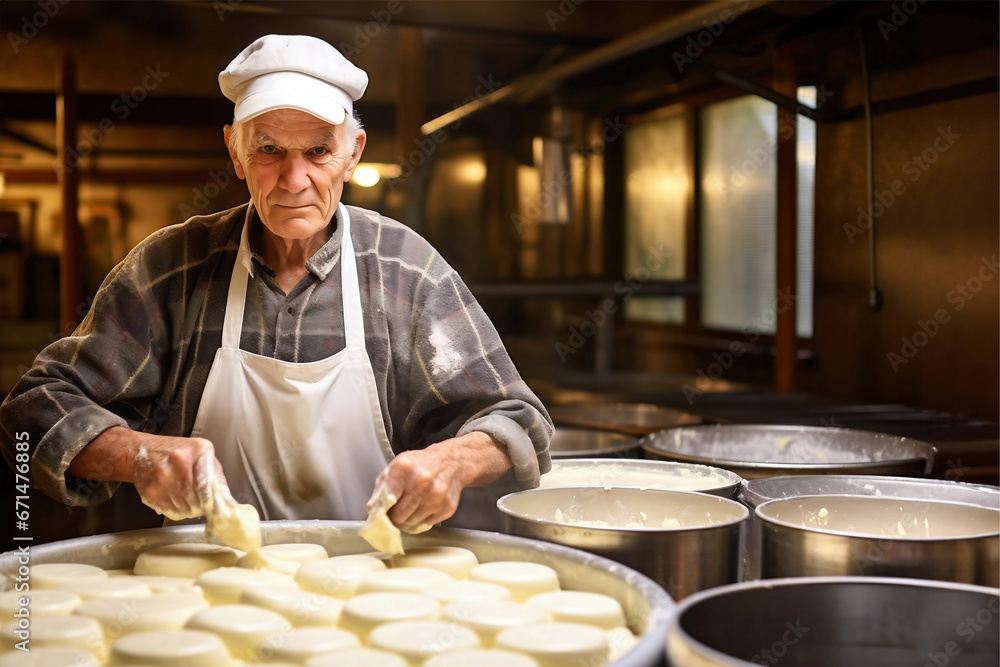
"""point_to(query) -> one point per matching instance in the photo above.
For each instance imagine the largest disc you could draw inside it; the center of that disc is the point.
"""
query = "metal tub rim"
(752, 495)
(734, 483)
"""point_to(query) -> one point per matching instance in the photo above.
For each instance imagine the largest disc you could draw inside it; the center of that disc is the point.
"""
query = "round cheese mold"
(360, 657)
(299, 607)
(481, 658)
(454, 591)
(54, 575)
(580, 607)
(114, 587)
(187, 559)
(558, 644)
(456, 562)
(402, 580)
(159, 584)
(338, 576)
(76, 632)
(417, 641)
(224, 585)
(365, 612)
(299, 645)
(488, 618)
(170, 648)
(240, 626)
(123, 616)
(299, 552)
(43, 602)
(48, 657)
(523, 580)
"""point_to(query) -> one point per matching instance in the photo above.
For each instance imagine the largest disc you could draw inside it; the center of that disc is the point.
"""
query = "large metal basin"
(702, 551)
(669, 475)
(758, 450)
(756, 491)
(835, 622)
(632, 418)
(576, 442)
(647, 606)
(867, 535)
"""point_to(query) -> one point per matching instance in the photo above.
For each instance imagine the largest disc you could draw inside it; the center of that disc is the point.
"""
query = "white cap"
(292, 72)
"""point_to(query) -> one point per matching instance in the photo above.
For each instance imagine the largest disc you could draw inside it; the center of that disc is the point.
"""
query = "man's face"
(295, 166)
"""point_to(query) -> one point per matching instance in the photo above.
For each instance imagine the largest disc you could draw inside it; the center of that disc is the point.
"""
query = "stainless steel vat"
(669, 475)
(867, 535)
(835, 622)
(759, 450)
(700, 552)
(575, 442)
(647, 606)
(634, 418)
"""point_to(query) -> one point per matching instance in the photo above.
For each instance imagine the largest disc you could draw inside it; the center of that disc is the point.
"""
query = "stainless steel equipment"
(756, 491)
(574, 442)
(647, 607)
(669, 475)
(685, 541)
(867, 535)
(837, 621)
(634, 418)
(753, 451)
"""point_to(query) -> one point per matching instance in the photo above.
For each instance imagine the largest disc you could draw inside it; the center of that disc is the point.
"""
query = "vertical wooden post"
(787, 223)
(68, 167)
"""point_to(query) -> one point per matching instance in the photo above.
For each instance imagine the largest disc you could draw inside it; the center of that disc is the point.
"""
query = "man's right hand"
(173, 475)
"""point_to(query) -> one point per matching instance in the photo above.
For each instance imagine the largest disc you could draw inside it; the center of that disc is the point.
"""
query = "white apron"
(297, 441)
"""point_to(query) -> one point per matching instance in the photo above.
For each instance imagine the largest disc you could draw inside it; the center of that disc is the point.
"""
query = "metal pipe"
(780, 99)
(529, 87)
(874, 294)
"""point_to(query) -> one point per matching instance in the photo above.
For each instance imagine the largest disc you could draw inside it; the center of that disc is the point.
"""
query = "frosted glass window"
(656, 192)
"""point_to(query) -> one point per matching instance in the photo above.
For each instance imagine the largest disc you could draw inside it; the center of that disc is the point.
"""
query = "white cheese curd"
(300, 644)
(45, 602)
(115, 587)
(360, 657)
(620, 641)
(402, 580)
(338, 576)
(49, 657)
(300, 552)
(523, 580)
(481, 658)
(55, 575)
(364, 613)
(224, 585)
(241, 627)
(580, 607)
(488, 618)
(121, 572)
(558, 644)
(466, 590)
(159, 584)
(171, 648)
(456, 562)
(123, 616)
(299, 607)
(77, 632)
(417, 641)
(187, 559)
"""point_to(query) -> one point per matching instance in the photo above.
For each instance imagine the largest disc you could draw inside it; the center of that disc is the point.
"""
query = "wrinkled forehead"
(292, 126)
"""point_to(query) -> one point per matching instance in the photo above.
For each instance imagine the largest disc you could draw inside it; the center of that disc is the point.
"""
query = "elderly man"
(300, 347)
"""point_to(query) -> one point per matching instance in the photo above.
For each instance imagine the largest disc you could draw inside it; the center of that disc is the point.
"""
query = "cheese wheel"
(488, 618)
(54, 575)
(187, 559)
(76, 632)
(123, 616)
(303, 643)
(169, 584)
(114, 587)
(240, 626)
(121, 572)
(580, 607)
(523, 580)
(45, 602)
(417, 641)
(224, 585)
(258, 562)
(338, 576)
(481, 658)
(365, 612)
(48, 657)
(360, 657)
(299, 607)
(454, 591)
(456, 562)
(620, 641)
(299, 552)
(402, 580)
(170, 648)
(558, 644)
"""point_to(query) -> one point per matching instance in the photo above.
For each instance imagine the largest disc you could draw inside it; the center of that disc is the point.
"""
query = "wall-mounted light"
(3, 183)
(368, 174)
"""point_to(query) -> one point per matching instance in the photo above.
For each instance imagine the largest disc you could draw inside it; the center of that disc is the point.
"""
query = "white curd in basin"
(171, 648)
(49, 657)
(44, 602)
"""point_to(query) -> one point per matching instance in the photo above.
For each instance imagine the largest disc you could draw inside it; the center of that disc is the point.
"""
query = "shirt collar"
(320, 264)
